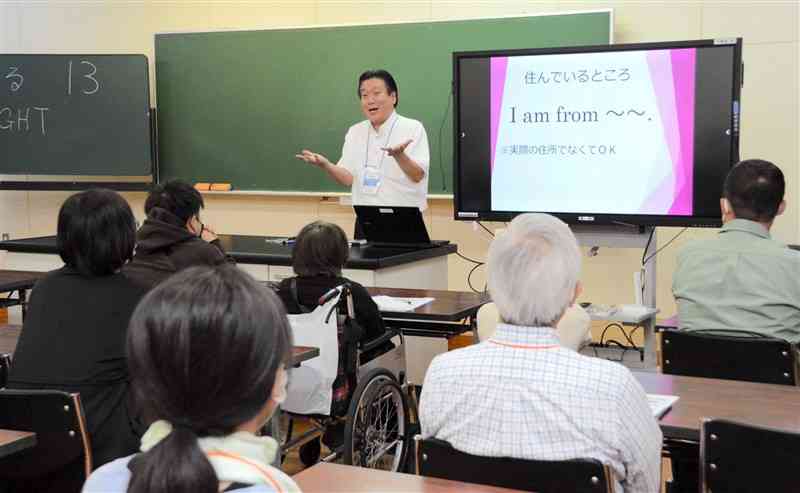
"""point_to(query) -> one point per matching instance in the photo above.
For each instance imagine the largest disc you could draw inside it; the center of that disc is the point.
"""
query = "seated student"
(73, 338)
(207, 350)
(520, 393)
(742, 279)
(172, 236)
(320, 252)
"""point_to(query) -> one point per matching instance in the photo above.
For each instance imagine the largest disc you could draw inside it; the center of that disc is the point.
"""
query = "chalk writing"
(19, 119)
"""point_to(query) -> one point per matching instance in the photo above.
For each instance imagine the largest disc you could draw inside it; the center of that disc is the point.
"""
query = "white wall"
(769, 111)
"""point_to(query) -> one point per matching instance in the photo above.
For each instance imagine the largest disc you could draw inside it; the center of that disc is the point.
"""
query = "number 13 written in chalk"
(94, 84)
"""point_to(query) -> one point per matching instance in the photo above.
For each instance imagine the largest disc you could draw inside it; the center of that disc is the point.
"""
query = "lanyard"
(388, 139)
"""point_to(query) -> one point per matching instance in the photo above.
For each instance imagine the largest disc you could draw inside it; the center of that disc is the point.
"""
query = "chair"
(62, 440)
(735, 457)
(573, 329)
(437, 458)
(731, 355)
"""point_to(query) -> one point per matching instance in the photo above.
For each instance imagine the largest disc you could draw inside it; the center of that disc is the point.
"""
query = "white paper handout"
(660, 403)
(396, 304)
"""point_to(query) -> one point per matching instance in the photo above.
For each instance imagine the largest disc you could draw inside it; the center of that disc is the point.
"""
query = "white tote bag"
(310, 388)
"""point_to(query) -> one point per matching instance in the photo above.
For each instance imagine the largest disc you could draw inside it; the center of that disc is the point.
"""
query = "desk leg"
(650, 360)
(473, 326)
(23, 301)
(274, 427)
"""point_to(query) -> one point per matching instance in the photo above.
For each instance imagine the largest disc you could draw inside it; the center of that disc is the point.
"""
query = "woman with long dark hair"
(206, 351)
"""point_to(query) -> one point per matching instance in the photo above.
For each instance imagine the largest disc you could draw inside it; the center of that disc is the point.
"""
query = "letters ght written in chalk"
(81, 79)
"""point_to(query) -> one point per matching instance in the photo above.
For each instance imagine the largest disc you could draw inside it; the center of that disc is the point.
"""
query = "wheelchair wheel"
(376, 433)
(309, 452)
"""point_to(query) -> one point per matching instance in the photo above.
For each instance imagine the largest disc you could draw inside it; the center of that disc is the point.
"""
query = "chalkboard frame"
(56, 179)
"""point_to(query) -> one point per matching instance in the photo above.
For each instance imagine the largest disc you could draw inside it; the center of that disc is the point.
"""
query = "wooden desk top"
(13, 441)
(327, 477)
(9, 335)
(447, 306)
(12, 280)
(775, 406)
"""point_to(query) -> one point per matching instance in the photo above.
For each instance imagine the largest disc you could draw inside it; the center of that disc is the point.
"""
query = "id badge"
(371, 181)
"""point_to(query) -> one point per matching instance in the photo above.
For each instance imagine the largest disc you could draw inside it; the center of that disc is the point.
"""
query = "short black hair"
(383, 75)
(96, 232)
(755, 190)
(321, 248)
(177, 197)
(204, 349)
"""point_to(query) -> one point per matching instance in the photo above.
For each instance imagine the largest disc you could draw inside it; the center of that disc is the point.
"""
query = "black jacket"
(164, 246)
(309, 290)
(73, 339)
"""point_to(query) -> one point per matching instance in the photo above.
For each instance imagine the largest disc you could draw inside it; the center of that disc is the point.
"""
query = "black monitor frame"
(590, 217)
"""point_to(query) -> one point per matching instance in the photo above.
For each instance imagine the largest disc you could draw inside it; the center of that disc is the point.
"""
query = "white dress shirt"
(520, 394)
(362, 150)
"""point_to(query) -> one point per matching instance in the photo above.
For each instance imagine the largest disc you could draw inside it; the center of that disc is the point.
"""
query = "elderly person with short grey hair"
(520, 393)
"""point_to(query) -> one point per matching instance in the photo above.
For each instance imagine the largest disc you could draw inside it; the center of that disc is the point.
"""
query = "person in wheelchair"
(320, 252)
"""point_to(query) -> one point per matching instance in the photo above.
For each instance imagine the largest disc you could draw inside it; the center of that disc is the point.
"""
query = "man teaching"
(385, 158)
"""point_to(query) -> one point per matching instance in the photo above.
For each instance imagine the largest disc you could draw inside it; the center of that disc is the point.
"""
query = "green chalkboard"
(75, 115)
(236, 106)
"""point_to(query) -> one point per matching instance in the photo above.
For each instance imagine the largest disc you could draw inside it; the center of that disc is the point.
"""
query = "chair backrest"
(739, 457)
(487, 320)
(5, 367)
(61, 434)
(310, 389)
(437, 458)
(732, 355)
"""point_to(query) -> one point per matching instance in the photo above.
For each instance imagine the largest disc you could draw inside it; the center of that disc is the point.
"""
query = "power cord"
(472, 271)
(645, 260)
(647, 245)
(485, 228)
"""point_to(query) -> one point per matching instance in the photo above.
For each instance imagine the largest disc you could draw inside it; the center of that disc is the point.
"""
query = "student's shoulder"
(598, 374)
(457, 358)
(53, 277)
(111, 477)
(699, 244)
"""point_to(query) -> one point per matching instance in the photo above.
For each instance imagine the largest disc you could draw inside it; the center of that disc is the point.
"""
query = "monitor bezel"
(589, 217)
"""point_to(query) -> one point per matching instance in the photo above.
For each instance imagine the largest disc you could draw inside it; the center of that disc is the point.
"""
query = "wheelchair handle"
(343, 288)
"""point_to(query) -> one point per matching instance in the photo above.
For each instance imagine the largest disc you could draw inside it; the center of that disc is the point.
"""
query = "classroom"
(770, 116)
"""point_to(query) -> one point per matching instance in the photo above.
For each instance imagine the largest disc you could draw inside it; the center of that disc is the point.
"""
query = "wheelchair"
(375, 431)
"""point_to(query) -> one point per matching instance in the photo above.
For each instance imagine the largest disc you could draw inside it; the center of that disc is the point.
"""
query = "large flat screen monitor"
(639, 134)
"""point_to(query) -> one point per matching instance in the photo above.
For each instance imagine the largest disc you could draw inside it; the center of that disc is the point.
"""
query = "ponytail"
(175, 465)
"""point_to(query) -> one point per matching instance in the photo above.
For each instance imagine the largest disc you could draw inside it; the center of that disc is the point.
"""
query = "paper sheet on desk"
(395, 304)
(660, 403)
